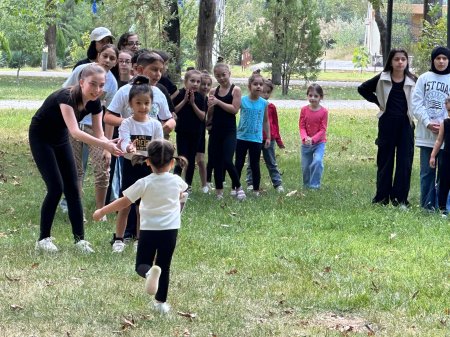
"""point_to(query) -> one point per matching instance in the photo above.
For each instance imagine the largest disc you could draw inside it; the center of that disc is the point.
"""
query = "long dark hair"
(123, 40)
(388, 65)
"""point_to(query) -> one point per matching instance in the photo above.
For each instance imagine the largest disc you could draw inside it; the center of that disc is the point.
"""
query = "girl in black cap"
(392, 91)
(432, 89)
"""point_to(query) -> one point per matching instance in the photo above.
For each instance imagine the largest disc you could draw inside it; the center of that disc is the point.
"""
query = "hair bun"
(140, 79)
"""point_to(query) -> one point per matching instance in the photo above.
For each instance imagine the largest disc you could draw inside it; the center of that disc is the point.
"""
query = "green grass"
(300, 265)
(28, 88)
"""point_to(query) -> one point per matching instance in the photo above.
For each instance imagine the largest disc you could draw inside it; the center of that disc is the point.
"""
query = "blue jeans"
(429, 179)
(271, 164)
(312, 164)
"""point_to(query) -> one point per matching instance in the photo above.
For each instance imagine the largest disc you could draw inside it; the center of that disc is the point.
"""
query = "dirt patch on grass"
(343, 323)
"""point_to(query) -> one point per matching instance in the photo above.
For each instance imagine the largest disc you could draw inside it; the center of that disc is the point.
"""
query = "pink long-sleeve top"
(274, 128)
(313, 124)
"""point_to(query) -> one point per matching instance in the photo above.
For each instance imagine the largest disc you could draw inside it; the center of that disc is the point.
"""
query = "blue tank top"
(251, 120)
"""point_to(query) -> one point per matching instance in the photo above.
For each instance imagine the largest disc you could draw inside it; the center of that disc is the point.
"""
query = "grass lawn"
(303, 263)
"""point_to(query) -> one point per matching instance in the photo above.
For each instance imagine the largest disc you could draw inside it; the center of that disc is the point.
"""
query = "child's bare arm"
(115, 206)
(437, 146)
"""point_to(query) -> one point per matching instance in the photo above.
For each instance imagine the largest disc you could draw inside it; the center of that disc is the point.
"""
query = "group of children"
(143, 112)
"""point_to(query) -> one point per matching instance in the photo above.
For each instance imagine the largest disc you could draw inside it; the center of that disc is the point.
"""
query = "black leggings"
(162, 244)
(187, 145)
(254, 154)
(223, 145)
(57, 167)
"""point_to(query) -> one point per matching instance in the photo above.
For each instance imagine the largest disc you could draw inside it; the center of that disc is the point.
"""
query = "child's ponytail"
(181, 161)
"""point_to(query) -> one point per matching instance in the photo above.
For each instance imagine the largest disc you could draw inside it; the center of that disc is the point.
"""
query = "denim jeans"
(271, 164)
(312, 164)
(429, 180)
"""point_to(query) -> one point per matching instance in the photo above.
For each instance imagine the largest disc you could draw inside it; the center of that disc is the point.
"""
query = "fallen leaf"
(34, 265)
(290, 194)
(127, 323)
(190, 315)
(16, 307)
(232, 271)
(392, 236)
(186, 332)
(225, 225)
(3, 235)
(447, 311)
(233, 214)
(327, 269)
(415, 294)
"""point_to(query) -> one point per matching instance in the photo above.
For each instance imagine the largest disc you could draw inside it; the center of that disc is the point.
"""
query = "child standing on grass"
(313, 132)
(190, 109)
(136, 132)
(253, 122)
(444, 181)
(160, 194)
(269, 152)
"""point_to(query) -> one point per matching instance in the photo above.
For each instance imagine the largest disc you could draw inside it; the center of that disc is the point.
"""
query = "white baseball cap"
(99, 33)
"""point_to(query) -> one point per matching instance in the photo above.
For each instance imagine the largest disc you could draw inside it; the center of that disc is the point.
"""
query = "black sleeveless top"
(222, 120)
(447, 135)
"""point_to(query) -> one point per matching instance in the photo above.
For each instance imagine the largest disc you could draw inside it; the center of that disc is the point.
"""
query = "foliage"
(4, 47)
(78, 52)
(433, 34)
(360, 58)
(347, 11)
(290, 37)
(61, 44)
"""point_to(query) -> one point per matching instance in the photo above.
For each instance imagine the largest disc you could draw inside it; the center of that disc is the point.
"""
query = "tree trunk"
(172, 28)
(278, 40)
(50, 41)
(425, 10)
(383, 31)
(205, 34)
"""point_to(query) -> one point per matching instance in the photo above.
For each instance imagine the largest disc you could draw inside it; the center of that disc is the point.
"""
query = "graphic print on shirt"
(247, 122)
(141, 142)
(435, 95)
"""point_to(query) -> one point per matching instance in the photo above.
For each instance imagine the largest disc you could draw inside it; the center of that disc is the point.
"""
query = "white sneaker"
(256, 194)
(152, 280)
(219, 196)
(162, 308)
(240, 194)
(84, 247)
(250, 188)
(233, 192)
(46, 245)
(118, 246)
(205, 189)
(280, 189)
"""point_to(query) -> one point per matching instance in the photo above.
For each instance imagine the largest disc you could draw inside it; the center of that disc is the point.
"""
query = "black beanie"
(435, 53)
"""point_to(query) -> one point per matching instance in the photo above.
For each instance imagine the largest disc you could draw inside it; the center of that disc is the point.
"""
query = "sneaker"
(161, 307)
(233, 192)
(279, 189)
(205, 189)
(256, 193)
(135, 245)
(444, 214)
(240, 194)
(219, 196)
(210, 186)
(84, 247)
(250, 187)
(46, 245)
(118, 246)
(152, 280)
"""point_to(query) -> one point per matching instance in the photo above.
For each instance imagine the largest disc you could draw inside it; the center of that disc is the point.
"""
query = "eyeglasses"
(124, 61)
(131, 43)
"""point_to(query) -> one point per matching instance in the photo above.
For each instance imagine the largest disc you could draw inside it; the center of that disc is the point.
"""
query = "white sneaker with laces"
(84, 247)
(152, 280)
(161, 307)
(118, 246)
(240, 194)
(46, 245)
(280, 189)
(250, 187)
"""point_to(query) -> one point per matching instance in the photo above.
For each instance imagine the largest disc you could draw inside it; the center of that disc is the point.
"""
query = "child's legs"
(200, 160)
(316, 166)
(254, 154)
(271, 164)
(229, 147)
(210, 163)
(241, 153)
(166, 247)
(121, 222)
(307, 156)
(444, 180)
(249, 178)
(77, 150)
(146, 252)
(101, 173)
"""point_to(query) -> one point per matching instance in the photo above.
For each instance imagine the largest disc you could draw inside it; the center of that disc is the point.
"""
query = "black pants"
(395, 145)
(223, 145)
(187, 145)
(162, 244)
(57, 167)
(444, 181)
(254, 153)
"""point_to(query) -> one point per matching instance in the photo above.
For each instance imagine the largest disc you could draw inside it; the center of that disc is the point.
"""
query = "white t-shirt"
(120, 106)
(144, 132)
(160, 200)
(109, 90)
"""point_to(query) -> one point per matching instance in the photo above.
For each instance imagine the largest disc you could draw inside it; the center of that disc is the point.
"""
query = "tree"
(205, 34)
(381, 23)
(290, 34)
(360, 58)
(172, 28)
(4, 46)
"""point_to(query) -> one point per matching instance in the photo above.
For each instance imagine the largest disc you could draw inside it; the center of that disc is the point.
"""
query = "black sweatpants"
(395, 145)
(162, 244)
(56, 165)
(254, 153)
(223, 145)
(187, 145)
(444, 181)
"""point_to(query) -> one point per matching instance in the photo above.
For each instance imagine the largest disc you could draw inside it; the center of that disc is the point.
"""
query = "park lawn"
(302, 263)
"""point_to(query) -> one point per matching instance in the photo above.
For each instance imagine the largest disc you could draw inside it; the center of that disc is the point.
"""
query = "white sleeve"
(73, 78)
(135, 191)
(163, 107)
(158, 130)
(418, 102)
(125, 134)
(112, 88)
(119, 102)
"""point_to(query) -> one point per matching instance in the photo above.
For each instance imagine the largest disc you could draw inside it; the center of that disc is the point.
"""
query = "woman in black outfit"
(51, 150)
(392, 91)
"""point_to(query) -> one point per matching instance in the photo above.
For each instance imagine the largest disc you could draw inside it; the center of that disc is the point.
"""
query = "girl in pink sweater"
(313, 127)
